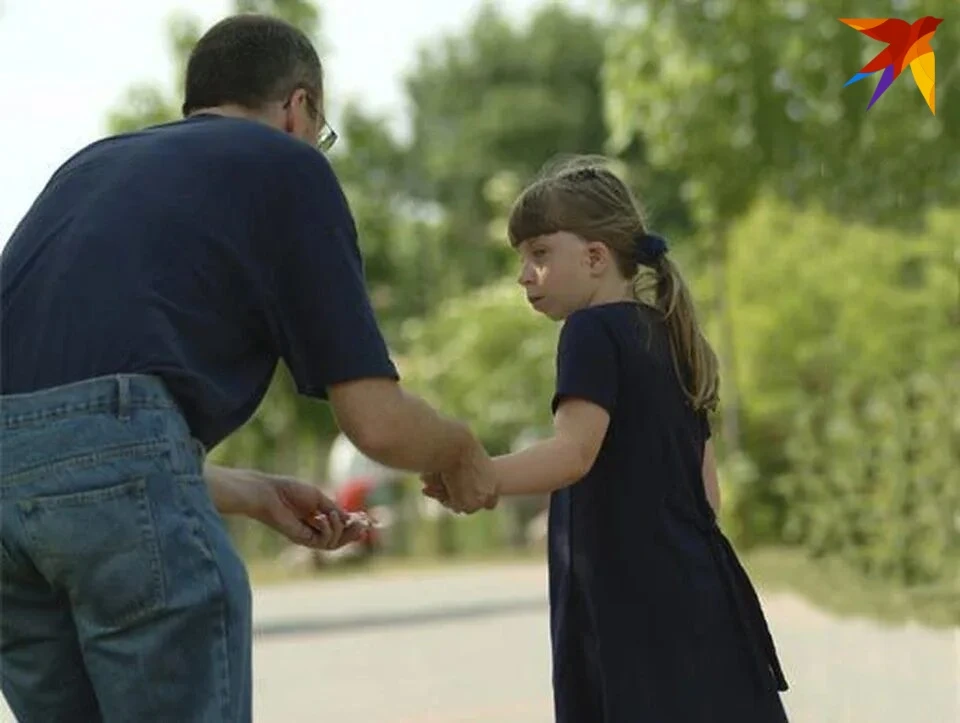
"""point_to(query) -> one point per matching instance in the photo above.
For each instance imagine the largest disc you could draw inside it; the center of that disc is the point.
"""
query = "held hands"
(470, 486)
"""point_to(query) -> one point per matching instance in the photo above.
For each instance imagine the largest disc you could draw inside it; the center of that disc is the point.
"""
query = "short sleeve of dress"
(586, 362)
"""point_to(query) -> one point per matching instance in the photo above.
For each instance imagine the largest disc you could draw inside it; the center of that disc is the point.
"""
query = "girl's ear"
(598, 255)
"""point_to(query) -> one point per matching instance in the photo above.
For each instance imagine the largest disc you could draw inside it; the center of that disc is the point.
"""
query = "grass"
(837, 588)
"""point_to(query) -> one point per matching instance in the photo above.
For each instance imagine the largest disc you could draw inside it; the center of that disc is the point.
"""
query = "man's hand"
(434, 488)
(299, 511)
(306, 516)
(468, 487)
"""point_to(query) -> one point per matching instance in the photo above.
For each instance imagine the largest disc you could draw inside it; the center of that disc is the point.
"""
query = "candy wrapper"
(355, 519)
(361, 519)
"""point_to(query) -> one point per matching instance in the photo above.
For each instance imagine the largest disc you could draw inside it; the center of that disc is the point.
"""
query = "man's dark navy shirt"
(200, 251)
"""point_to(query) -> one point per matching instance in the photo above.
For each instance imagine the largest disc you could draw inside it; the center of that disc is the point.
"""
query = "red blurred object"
(352, 497)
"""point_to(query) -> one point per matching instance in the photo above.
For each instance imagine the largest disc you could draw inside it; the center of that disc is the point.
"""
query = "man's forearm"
(419, 439)
(230, 489)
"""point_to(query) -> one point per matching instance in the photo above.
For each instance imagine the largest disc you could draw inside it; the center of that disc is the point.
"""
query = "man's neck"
(237, 111)
(230, 111)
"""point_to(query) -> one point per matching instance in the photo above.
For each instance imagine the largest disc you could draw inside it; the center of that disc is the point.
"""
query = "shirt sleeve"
(322, 320)
(586, 362)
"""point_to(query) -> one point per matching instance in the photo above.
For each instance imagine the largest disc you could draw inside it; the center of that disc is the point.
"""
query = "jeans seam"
(157, 559)
(64, 410)
(221, 645)
(90, 459)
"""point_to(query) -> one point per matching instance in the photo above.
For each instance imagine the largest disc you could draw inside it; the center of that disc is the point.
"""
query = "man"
(146, 298)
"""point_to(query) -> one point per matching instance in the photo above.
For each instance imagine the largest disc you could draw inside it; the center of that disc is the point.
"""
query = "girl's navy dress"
(653, 620)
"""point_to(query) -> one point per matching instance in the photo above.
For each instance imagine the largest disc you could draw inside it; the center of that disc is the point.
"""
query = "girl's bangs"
(532, 215)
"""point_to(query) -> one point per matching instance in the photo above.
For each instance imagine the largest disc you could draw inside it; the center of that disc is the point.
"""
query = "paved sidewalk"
(471, 644)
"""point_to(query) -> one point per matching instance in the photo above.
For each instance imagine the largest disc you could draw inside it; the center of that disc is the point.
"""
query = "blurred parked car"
(360, 484)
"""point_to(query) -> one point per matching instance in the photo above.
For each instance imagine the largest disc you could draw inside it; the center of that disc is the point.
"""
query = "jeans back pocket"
(99, 546)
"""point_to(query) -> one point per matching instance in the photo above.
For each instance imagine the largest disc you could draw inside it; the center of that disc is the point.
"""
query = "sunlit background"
(822, 243)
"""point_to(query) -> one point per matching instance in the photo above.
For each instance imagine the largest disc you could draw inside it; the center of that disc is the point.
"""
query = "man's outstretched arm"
(299, 511)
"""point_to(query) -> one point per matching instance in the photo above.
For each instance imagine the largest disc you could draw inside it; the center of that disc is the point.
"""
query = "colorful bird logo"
(906, 45)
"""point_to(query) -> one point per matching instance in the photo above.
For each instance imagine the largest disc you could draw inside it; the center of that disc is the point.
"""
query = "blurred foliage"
(819, 236)
(751, 96)
(873, 477)
(541, 94)
(740, 98)
(486, 357)
(489, 106)
(820, 306)
(145, 104)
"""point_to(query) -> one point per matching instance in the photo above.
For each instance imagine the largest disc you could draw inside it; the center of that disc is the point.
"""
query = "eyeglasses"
(326, 136)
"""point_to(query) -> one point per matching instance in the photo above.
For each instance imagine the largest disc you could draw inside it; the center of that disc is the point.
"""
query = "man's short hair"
(250, 60)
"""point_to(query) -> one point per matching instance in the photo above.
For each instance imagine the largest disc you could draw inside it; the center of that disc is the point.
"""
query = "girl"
(652, 616)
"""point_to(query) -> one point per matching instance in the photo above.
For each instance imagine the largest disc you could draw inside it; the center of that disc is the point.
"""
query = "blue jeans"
(123, 598)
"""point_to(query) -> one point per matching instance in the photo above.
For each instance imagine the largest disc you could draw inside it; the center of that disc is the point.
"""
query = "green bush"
(828, 320)
(875, 479)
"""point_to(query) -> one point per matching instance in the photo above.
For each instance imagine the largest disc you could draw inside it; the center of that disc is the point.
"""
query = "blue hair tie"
(648, 248)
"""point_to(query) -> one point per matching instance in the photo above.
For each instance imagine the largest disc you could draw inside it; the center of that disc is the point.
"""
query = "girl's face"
(558, 273)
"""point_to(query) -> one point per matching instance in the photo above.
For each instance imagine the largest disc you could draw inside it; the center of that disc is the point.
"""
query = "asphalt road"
(470, 644)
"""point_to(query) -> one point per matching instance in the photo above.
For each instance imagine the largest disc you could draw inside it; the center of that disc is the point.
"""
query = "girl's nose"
(525, 276)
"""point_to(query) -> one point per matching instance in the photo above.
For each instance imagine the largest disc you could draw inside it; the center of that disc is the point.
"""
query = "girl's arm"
(579, 429)
(710, 484)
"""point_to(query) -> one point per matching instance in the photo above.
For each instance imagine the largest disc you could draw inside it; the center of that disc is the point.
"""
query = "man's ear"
(289, 122)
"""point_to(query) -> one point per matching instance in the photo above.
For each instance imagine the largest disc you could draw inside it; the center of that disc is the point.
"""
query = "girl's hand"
(434, 488)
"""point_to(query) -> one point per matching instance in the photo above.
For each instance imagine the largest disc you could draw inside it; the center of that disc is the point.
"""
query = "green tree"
(770, 108)
(401, 237)
(490, 106)
(742, 97)
(145, 103)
